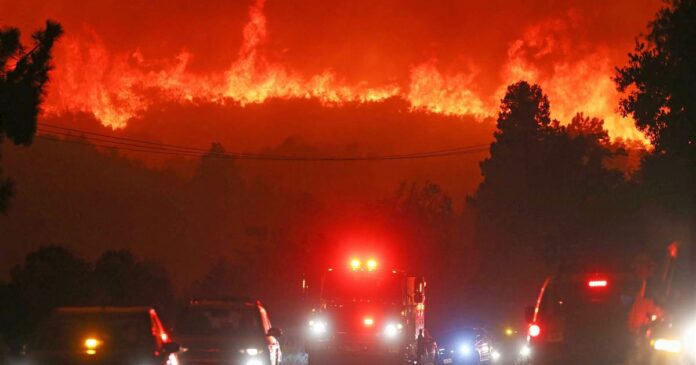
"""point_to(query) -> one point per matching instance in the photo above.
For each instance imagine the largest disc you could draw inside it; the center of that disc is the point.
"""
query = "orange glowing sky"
(120, 59)
(287, 77)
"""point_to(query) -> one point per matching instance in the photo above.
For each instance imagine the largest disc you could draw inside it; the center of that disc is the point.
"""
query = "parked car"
(102, 336)
(466, 345)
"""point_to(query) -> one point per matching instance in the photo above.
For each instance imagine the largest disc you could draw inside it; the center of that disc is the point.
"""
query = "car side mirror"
(529, 314)
(274, 332)
(171, 347)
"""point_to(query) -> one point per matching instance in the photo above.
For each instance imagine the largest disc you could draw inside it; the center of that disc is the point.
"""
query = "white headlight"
(391, 330)
(254, 362)
(525, 351)
(673, 346)
(465, 349)
(318, 327)
(690, 339)
(172, 360)
(495, 356)
(252, 352)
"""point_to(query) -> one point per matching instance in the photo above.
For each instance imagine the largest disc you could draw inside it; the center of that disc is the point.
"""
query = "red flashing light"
(673, 250)
(368, 322)
(369, 265)
(534, 330)
(355, 264)
(597, 283)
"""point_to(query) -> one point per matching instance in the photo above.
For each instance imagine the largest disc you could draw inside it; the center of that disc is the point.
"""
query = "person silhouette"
(420, 346)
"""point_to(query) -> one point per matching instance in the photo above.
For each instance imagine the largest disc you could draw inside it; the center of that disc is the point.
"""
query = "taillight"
(368, 322)
(534, 330)
(597, 283)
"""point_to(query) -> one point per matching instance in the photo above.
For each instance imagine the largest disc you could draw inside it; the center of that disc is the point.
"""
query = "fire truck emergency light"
(355, 264)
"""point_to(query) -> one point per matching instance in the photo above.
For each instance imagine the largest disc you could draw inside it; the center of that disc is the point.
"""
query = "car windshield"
(114, 331)
(219, 321)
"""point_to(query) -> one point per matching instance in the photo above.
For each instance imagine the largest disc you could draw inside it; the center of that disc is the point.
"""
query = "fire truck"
(369, 313)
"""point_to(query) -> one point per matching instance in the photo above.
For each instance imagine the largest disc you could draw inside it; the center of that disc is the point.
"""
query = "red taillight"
(368, 322)
(597, 283)
(534, 330)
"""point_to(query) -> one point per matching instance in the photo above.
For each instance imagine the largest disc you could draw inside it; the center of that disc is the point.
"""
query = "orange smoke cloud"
(117, 88)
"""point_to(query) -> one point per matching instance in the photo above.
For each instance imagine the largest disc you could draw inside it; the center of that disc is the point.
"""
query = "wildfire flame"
(117, 88)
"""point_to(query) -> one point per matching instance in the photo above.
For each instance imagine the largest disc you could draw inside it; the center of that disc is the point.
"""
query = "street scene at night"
(348, 182)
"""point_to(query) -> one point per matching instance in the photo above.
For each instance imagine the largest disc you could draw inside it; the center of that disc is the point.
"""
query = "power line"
(143, 146)
(263, 157)
(117, 143)
(141, 143)
(135, 147)
(53, 126)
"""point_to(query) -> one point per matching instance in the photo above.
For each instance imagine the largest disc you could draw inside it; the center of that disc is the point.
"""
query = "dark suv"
(582, 319)
(227, 331)
(102, 335)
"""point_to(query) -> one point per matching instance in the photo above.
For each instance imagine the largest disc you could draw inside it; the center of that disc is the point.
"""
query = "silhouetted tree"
(225, 278)
(217, 170)
(12, 318)
(547, 198)
(545, 186)
(660, 82)
(23, 77)
(123, 280)
(50, 277)
(508, 196)
(436, 239)
(593, 149)
(424, 216)
(214, 196)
